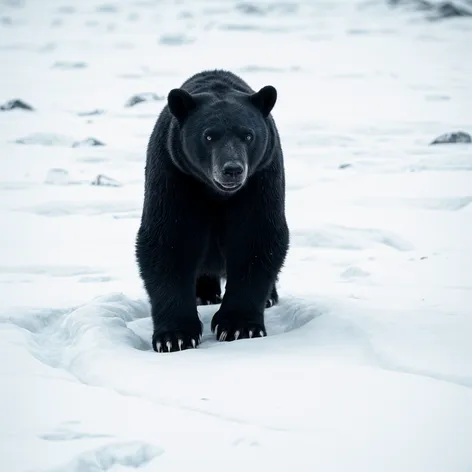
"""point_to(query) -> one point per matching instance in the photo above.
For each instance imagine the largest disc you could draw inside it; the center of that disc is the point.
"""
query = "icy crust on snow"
(366, 366)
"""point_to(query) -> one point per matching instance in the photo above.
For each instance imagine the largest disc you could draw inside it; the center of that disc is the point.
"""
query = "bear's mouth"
(228, 186)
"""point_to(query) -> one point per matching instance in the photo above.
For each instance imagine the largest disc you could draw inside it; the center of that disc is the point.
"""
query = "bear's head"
(223, 140)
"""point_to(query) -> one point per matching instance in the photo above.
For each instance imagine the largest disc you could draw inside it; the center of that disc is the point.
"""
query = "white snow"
(368, 362)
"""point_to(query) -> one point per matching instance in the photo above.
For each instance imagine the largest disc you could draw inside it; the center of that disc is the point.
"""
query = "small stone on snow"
(142, 97)
(452, 138)
(12, 104)
(104, 181)
(89, 142)
(91, 112)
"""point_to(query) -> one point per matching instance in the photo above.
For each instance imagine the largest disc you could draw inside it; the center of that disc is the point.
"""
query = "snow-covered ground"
(368, 362)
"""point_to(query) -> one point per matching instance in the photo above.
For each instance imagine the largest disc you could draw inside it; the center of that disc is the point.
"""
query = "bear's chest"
(213, 254)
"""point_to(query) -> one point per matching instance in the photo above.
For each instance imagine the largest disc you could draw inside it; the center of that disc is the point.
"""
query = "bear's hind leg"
(273, 297)
(208, 290)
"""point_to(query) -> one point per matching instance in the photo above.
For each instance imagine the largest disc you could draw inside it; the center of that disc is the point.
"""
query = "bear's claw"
(232, 330)
(225, 335)
(273, 298)
(171, 342)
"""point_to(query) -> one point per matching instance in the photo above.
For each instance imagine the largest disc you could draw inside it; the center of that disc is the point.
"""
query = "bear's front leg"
(255, 254)
(167, 263)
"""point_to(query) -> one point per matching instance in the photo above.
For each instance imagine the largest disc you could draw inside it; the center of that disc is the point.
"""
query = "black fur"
(208, 290)
(204, 218)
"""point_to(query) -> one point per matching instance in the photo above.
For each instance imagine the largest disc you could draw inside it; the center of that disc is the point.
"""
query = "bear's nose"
(232, 169)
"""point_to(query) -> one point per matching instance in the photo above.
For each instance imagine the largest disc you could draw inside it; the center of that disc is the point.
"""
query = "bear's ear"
(265, 99)
(180, 103)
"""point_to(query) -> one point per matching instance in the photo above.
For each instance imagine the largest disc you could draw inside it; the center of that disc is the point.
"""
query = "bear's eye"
(208, 137)
(248, 137)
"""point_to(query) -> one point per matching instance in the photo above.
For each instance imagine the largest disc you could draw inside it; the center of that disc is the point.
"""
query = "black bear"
(214, 208)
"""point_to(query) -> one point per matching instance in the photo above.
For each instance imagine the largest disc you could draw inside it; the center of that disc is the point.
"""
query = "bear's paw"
(184, 336)
(234, 325)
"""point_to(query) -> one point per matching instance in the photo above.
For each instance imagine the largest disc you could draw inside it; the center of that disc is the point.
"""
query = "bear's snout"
(233, 170)
(231, 175)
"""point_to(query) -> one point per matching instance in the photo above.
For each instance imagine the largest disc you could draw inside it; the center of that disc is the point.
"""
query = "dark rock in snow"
(91, 112)
(89, 142)
(12, 104)
(452, 138)
(103, 180)
(142, 97)
(344, 166)
(438, 10)
(449, 9)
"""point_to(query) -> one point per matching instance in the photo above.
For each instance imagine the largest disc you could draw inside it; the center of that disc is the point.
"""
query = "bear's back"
(218, 82)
